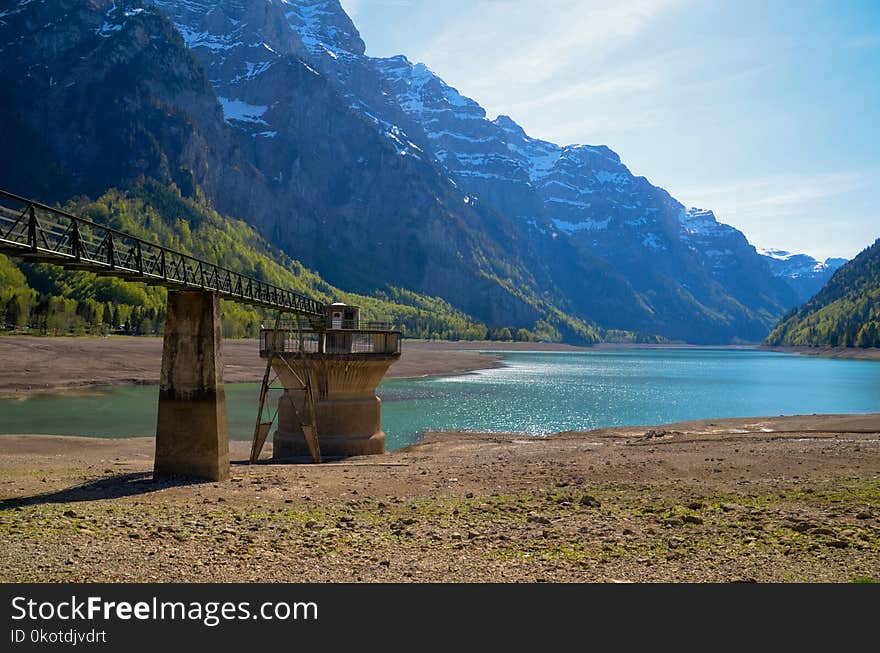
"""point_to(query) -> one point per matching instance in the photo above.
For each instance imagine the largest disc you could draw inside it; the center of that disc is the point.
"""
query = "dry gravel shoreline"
(764, 499)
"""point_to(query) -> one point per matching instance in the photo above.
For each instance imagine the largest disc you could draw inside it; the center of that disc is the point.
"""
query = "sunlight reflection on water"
(536, 393)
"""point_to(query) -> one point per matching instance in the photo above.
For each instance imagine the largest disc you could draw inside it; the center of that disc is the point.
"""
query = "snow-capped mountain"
(676, 260)
(683, 257)
(378, 173)
(802, 272)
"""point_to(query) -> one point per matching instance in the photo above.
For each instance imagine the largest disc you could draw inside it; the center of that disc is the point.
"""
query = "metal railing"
(329, 323)
(364, 341)
(36, 232)
(322, 323)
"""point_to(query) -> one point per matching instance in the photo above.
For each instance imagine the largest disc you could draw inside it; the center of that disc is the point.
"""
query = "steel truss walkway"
(191, 430)
(36, 232)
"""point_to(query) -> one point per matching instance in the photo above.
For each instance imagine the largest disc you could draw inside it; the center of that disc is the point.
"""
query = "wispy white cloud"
(522, 47)
(544, 67)
(595, 87)
(579, 71)
(805, 212)
(571, 130)
(777, 195)
(571, 31)
(354, 7)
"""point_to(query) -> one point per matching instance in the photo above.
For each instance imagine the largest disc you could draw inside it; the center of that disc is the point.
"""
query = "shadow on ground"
(112, 487)
(128, 485)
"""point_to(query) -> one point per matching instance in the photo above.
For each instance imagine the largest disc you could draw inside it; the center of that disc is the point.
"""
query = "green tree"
(524, 335)
(13, 313)
(869, 335)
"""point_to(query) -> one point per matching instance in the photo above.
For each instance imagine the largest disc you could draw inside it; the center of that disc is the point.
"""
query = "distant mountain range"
(802, 272)
(373, 172)
(845, 313)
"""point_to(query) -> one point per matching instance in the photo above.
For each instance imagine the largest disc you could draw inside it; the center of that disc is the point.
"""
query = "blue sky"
(767, 112)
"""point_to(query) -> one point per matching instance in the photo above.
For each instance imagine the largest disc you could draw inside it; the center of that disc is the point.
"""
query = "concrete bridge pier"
(191, 430)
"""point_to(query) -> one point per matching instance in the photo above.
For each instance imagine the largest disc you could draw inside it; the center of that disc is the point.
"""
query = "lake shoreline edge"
(846, 353)
(68, 365)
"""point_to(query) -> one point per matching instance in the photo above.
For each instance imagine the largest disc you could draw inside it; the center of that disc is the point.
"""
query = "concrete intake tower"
(329, 372)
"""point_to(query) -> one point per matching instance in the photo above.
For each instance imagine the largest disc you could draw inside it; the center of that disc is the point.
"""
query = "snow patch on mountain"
(242, 111)
(653, 241)
(586, 225)
(701, 222)
(605, 177)
(16, 9)
(777, 254)
(802, 272)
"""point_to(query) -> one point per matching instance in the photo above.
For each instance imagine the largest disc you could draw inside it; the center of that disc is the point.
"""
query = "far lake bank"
(74, 364)
(70, 364)
(853, 353)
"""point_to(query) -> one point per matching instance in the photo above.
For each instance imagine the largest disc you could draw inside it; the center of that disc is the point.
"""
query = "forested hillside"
(49, 299)
(845, 313)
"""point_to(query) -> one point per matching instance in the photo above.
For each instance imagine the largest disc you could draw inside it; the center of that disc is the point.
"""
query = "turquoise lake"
(536, 393)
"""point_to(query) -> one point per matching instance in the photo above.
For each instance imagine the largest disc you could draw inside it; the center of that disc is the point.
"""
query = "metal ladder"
(306, 416)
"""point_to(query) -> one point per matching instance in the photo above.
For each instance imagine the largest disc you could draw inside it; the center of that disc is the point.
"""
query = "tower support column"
(192, 437)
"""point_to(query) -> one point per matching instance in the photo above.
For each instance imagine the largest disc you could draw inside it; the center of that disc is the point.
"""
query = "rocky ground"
(777, 499)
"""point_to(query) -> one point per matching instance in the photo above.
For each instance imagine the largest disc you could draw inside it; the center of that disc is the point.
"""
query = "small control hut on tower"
(329, 370)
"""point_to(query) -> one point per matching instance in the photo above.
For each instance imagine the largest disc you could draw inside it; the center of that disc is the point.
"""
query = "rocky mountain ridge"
(374, 172)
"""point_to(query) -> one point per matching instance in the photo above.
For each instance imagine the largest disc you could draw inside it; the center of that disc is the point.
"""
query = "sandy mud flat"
(63, 364)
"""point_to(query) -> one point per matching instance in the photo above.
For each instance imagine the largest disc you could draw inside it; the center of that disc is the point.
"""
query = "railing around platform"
(361, 341)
